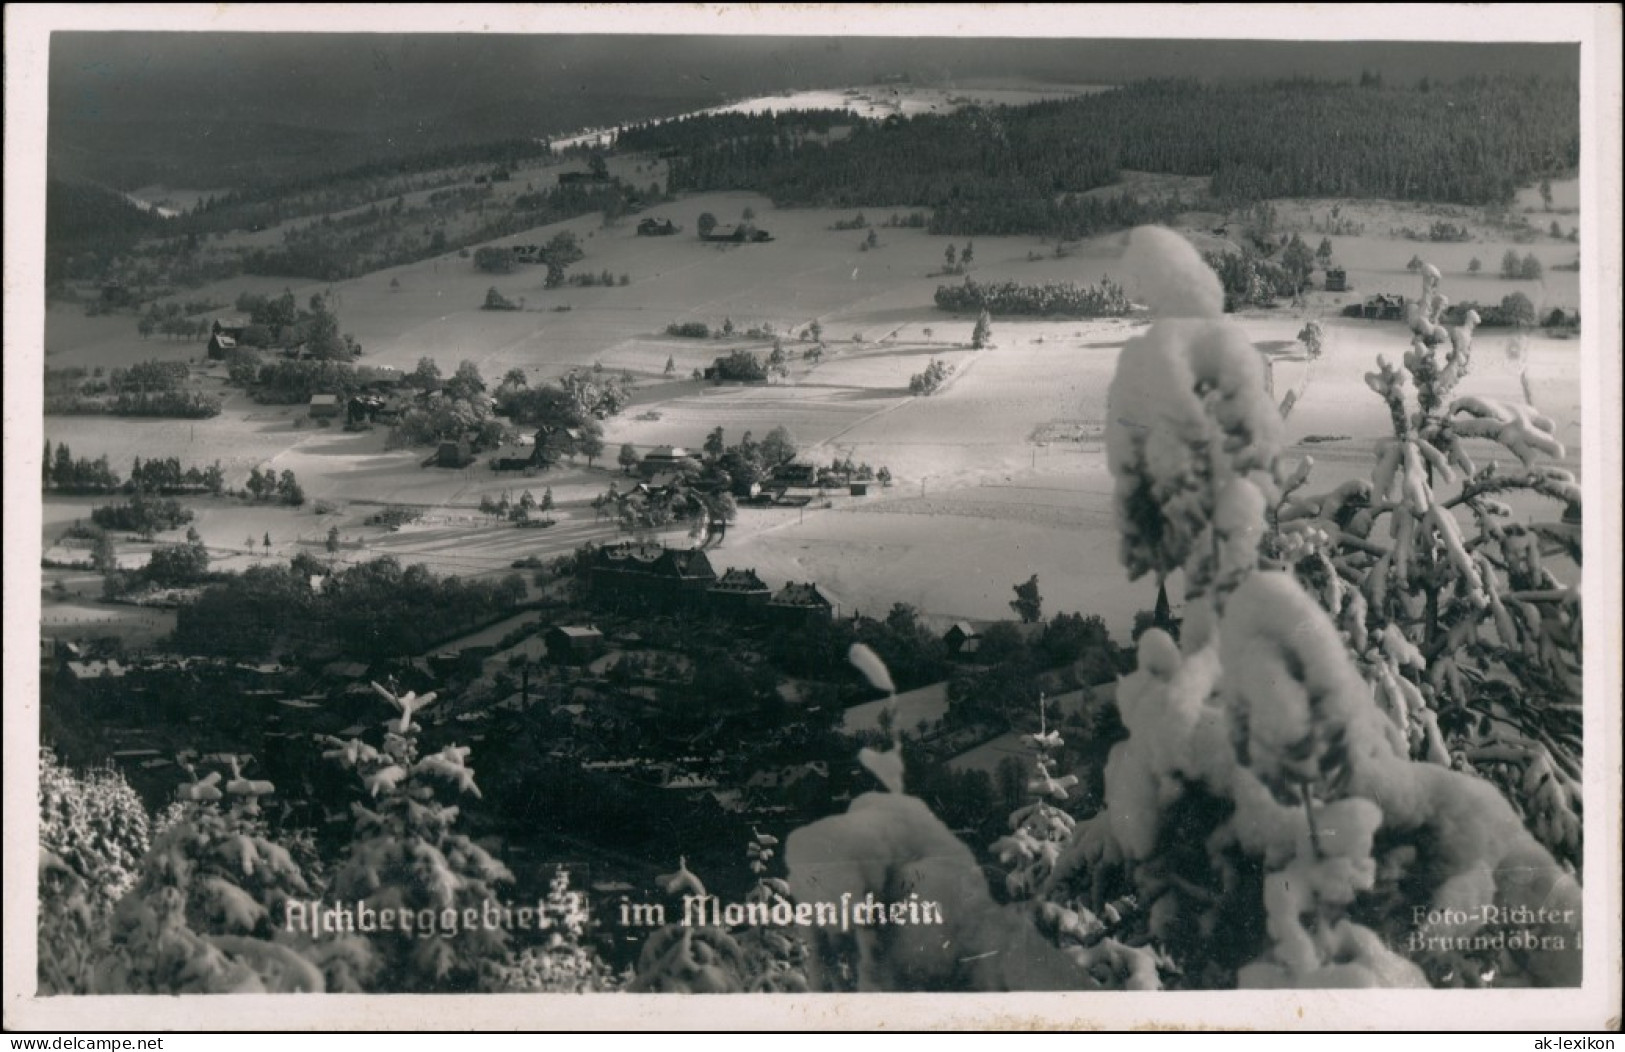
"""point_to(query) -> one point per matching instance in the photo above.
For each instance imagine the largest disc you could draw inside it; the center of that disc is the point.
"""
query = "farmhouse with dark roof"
(651, 575)
(739, 593)
(799, 605)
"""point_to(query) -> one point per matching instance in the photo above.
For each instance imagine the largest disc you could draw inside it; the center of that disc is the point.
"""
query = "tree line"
(87, 227)
(69, 474)
(271, 204)
(1106, 300)
(152, 388)
(167, 476)
(1014, 170)
(142, 514)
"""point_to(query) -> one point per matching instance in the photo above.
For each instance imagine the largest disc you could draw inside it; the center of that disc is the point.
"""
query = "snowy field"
(999, 475)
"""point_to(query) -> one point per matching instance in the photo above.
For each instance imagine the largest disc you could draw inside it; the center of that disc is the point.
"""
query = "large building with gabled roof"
(739, 594)
(651, 575)
(799, 605)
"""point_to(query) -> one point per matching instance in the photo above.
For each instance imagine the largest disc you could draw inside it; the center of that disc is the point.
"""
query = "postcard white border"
(1597, 27)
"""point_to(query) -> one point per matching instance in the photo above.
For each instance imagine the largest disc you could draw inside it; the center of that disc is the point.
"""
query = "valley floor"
(998, 476)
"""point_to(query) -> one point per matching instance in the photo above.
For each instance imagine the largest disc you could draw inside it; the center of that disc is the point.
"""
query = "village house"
(661, 485)
(379, 377)
(654, 228)
(396, 405)
(1337, 279)
(519, 459)
(324, 406)
(573, 644)
(452, 453)
(102, 686)
(55, 651)
(1384, 306)
(728, 801)
(364, 409)
(471, 660)
(662, 459)
(796, 474)
(220, 345)
(443, 664)
(651, 575)
(739, 594)
(798, 606)
(87, 671)
(759, 496)
(962, 639)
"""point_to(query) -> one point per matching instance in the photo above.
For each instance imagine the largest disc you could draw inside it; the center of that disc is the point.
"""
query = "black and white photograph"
(1087, 505)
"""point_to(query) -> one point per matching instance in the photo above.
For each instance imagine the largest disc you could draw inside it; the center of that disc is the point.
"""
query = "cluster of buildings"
(147, 683)
(653, 577)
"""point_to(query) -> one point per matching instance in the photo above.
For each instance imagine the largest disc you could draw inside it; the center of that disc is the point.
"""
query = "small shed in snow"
(221, 345)
(573, 644)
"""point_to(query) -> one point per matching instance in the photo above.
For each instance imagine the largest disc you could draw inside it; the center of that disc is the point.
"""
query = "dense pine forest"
(325, 192)
(1048, 169)
(1106, 300)
(1019, 170)
(92, 222)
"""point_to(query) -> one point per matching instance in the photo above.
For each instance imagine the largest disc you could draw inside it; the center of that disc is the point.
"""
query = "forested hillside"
(82, 218)
(1011, 170)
